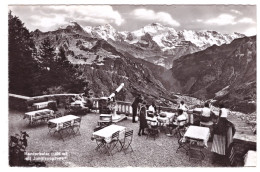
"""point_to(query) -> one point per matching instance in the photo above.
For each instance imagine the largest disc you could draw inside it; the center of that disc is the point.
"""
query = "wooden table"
(107, 132)
(61, 120)
(64, 124)
(250, 159)
(40, 113)
(41, 105)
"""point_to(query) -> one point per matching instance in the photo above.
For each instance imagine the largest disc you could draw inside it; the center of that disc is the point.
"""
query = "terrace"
(80, 150)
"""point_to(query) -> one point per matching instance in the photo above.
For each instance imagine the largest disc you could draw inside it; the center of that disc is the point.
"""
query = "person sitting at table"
(142, 121)
(182, 117)
(172, 125)
(183, 106)
(177, 122)
(151, 112)
(205, 113)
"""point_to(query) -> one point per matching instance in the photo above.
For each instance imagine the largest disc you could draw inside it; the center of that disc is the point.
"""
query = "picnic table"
(41, 105)
(34, 116)
(61, 120)
(107, 132)
(65, 124)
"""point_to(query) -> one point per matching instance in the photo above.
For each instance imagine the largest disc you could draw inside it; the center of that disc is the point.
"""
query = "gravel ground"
(81, 150)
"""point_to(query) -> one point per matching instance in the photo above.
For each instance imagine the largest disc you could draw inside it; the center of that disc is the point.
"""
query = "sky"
(221, 18)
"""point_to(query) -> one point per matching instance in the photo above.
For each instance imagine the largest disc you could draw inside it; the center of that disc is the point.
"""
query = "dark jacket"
(143, 121)
(136, 102)
(222, 126)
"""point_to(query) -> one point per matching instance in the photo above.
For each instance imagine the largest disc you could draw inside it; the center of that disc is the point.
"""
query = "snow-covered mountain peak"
(71, 25)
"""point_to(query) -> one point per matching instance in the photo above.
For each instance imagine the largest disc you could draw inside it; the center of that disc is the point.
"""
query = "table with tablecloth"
(250, 159)
(165, 117)
(61, 120)
(198, 133)
(43, 112)
(107, 132)
(41, 105)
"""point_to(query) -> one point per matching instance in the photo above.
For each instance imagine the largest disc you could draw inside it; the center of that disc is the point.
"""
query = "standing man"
(137, 100)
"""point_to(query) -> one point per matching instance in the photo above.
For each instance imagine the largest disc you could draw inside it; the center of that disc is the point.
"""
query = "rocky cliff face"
(226, 73)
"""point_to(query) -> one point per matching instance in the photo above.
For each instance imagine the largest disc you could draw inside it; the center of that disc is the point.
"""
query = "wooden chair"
(126, 142)
(65, 128)
(105, 122)
(76, 126)
(100, 143)
(35, 120)
(171, 126)
(183, 143)
(58, 115)
(181, 127)
(52, 128)
(152, 131)
(113, 143)
(195, 149)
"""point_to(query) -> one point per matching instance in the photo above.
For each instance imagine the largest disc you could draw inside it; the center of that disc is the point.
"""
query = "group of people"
(206, 115)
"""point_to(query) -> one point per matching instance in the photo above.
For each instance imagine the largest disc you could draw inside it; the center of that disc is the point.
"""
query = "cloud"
(222, 19)
(47, 22)
(93, 13)
(54, 16)
(150, 15)
(236, 12)
(250, 32)
(246, 20)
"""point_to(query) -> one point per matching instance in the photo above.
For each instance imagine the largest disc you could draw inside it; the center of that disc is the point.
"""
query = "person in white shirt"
(205, 113)
(151, 108)
(223, 113)
(182, 117)
(183, 106)
(179, 120)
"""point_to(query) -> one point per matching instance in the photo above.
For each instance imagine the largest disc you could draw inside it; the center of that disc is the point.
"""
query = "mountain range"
(159, 61)
(154, 43)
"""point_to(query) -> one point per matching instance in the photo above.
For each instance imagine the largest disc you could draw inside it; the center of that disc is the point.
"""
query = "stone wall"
(17, 102)
(243, 140)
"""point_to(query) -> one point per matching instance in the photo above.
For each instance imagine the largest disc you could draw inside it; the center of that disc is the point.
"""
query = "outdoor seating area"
(120, 141)
(174, 136)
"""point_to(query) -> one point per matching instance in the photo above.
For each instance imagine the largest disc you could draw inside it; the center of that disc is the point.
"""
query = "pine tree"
(21, 50)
